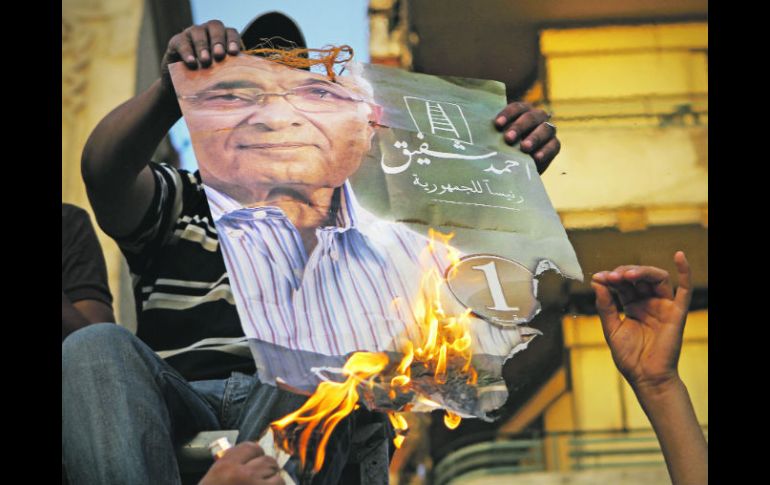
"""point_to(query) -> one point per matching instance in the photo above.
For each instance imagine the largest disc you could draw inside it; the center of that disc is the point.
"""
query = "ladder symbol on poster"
(439, 118)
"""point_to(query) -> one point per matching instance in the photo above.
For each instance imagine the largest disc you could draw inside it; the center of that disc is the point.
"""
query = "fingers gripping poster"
(377, 215)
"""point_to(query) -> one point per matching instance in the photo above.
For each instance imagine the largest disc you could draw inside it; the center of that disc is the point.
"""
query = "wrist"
(166, 98)
(658, 388)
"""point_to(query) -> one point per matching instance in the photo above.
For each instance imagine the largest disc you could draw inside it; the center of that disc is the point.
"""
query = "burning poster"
(378, 233)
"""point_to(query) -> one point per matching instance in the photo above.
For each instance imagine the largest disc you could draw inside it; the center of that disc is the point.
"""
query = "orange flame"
(446, 338)
(330, 403)
(451, 420)
(400, 425)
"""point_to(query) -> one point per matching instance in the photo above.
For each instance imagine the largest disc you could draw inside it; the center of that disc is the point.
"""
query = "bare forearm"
(71, 318)
(117, 153)
(95, 311)
(681, 439)
(122, 143)
(81, 313)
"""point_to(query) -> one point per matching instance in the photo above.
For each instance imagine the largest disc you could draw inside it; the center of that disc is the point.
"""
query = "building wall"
(631, 106)
(600, 399)
(600, 403)
(649, 476)
(99, 40)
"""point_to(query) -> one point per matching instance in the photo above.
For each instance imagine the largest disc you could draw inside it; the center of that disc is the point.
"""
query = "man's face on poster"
(257, 124)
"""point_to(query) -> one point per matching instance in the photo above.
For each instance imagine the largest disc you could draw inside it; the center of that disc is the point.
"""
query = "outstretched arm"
(645, 343)
(115, 160)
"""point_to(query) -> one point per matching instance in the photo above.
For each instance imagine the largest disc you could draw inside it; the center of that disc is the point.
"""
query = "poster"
(380, 212)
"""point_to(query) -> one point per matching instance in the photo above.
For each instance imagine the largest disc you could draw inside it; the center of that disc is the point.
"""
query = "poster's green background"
(527, 235)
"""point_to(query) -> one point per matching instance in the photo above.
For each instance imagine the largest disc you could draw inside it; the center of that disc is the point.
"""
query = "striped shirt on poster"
(355, 291)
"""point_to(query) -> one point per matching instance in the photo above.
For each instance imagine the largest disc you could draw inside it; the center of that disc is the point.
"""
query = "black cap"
(275, 28)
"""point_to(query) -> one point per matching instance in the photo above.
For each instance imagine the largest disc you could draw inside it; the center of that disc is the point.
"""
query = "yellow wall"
(99, 40)
(609, 62)
(631, 106)
(614, 167)
(600, 398)
(601, 402)
(633, 155)
(614, 37)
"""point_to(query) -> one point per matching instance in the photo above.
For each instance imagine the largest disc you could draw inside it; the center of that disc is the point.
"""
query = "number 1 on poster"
(495, 288)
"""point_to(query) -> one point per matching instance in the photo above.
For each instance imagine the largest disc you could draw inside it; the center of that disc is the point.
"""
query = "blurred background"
(627, 83)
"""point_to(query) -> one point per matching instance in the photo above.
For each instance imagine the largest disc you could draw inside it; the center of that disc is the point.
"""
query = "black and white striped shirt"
(185, 307)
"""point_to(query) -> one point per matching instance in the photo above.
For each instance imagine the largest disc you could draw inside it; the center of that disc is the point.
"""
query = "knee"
(99, 342)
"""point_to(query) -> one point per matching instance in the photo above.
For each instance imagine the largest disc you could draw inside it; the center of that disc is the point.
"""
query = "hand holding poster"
(325, 193)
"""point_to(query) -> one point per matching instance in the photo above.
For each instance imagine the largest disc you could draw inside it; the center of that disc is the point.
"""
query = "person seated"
(85, 295)
(128, 400)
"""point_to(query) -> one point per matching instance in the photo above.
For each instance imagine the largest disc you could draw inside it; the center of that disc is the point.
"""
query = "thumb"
(243, 452)
(608, 311)
(684, 276)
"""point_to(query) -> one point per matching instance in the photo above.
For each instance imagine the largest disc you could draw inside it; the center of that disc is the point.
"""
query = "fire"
(451, 420)
(445, 336)
(330, 403)
(400, 425)
(442, 338)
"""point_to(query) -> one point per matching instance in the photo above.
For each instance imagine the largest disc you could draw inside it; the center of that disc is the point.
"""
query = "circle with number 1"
(496, 289)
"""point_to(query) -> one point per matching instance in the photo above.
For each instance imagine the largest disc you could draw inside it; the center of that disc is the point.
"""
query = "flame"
(451, 420)
(330, 403)
(442, 341)
(400, 425)
(399, 440)
(403, 367)
(447, 336)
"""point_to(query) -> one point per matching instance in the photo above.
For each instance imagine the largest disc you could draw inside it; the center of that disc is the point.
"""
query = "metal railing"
(514, 456)
(555, 452)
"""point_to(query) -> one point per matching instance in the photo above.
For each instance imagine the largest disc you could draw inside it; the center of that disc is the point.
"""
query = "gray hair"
(354, 80)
